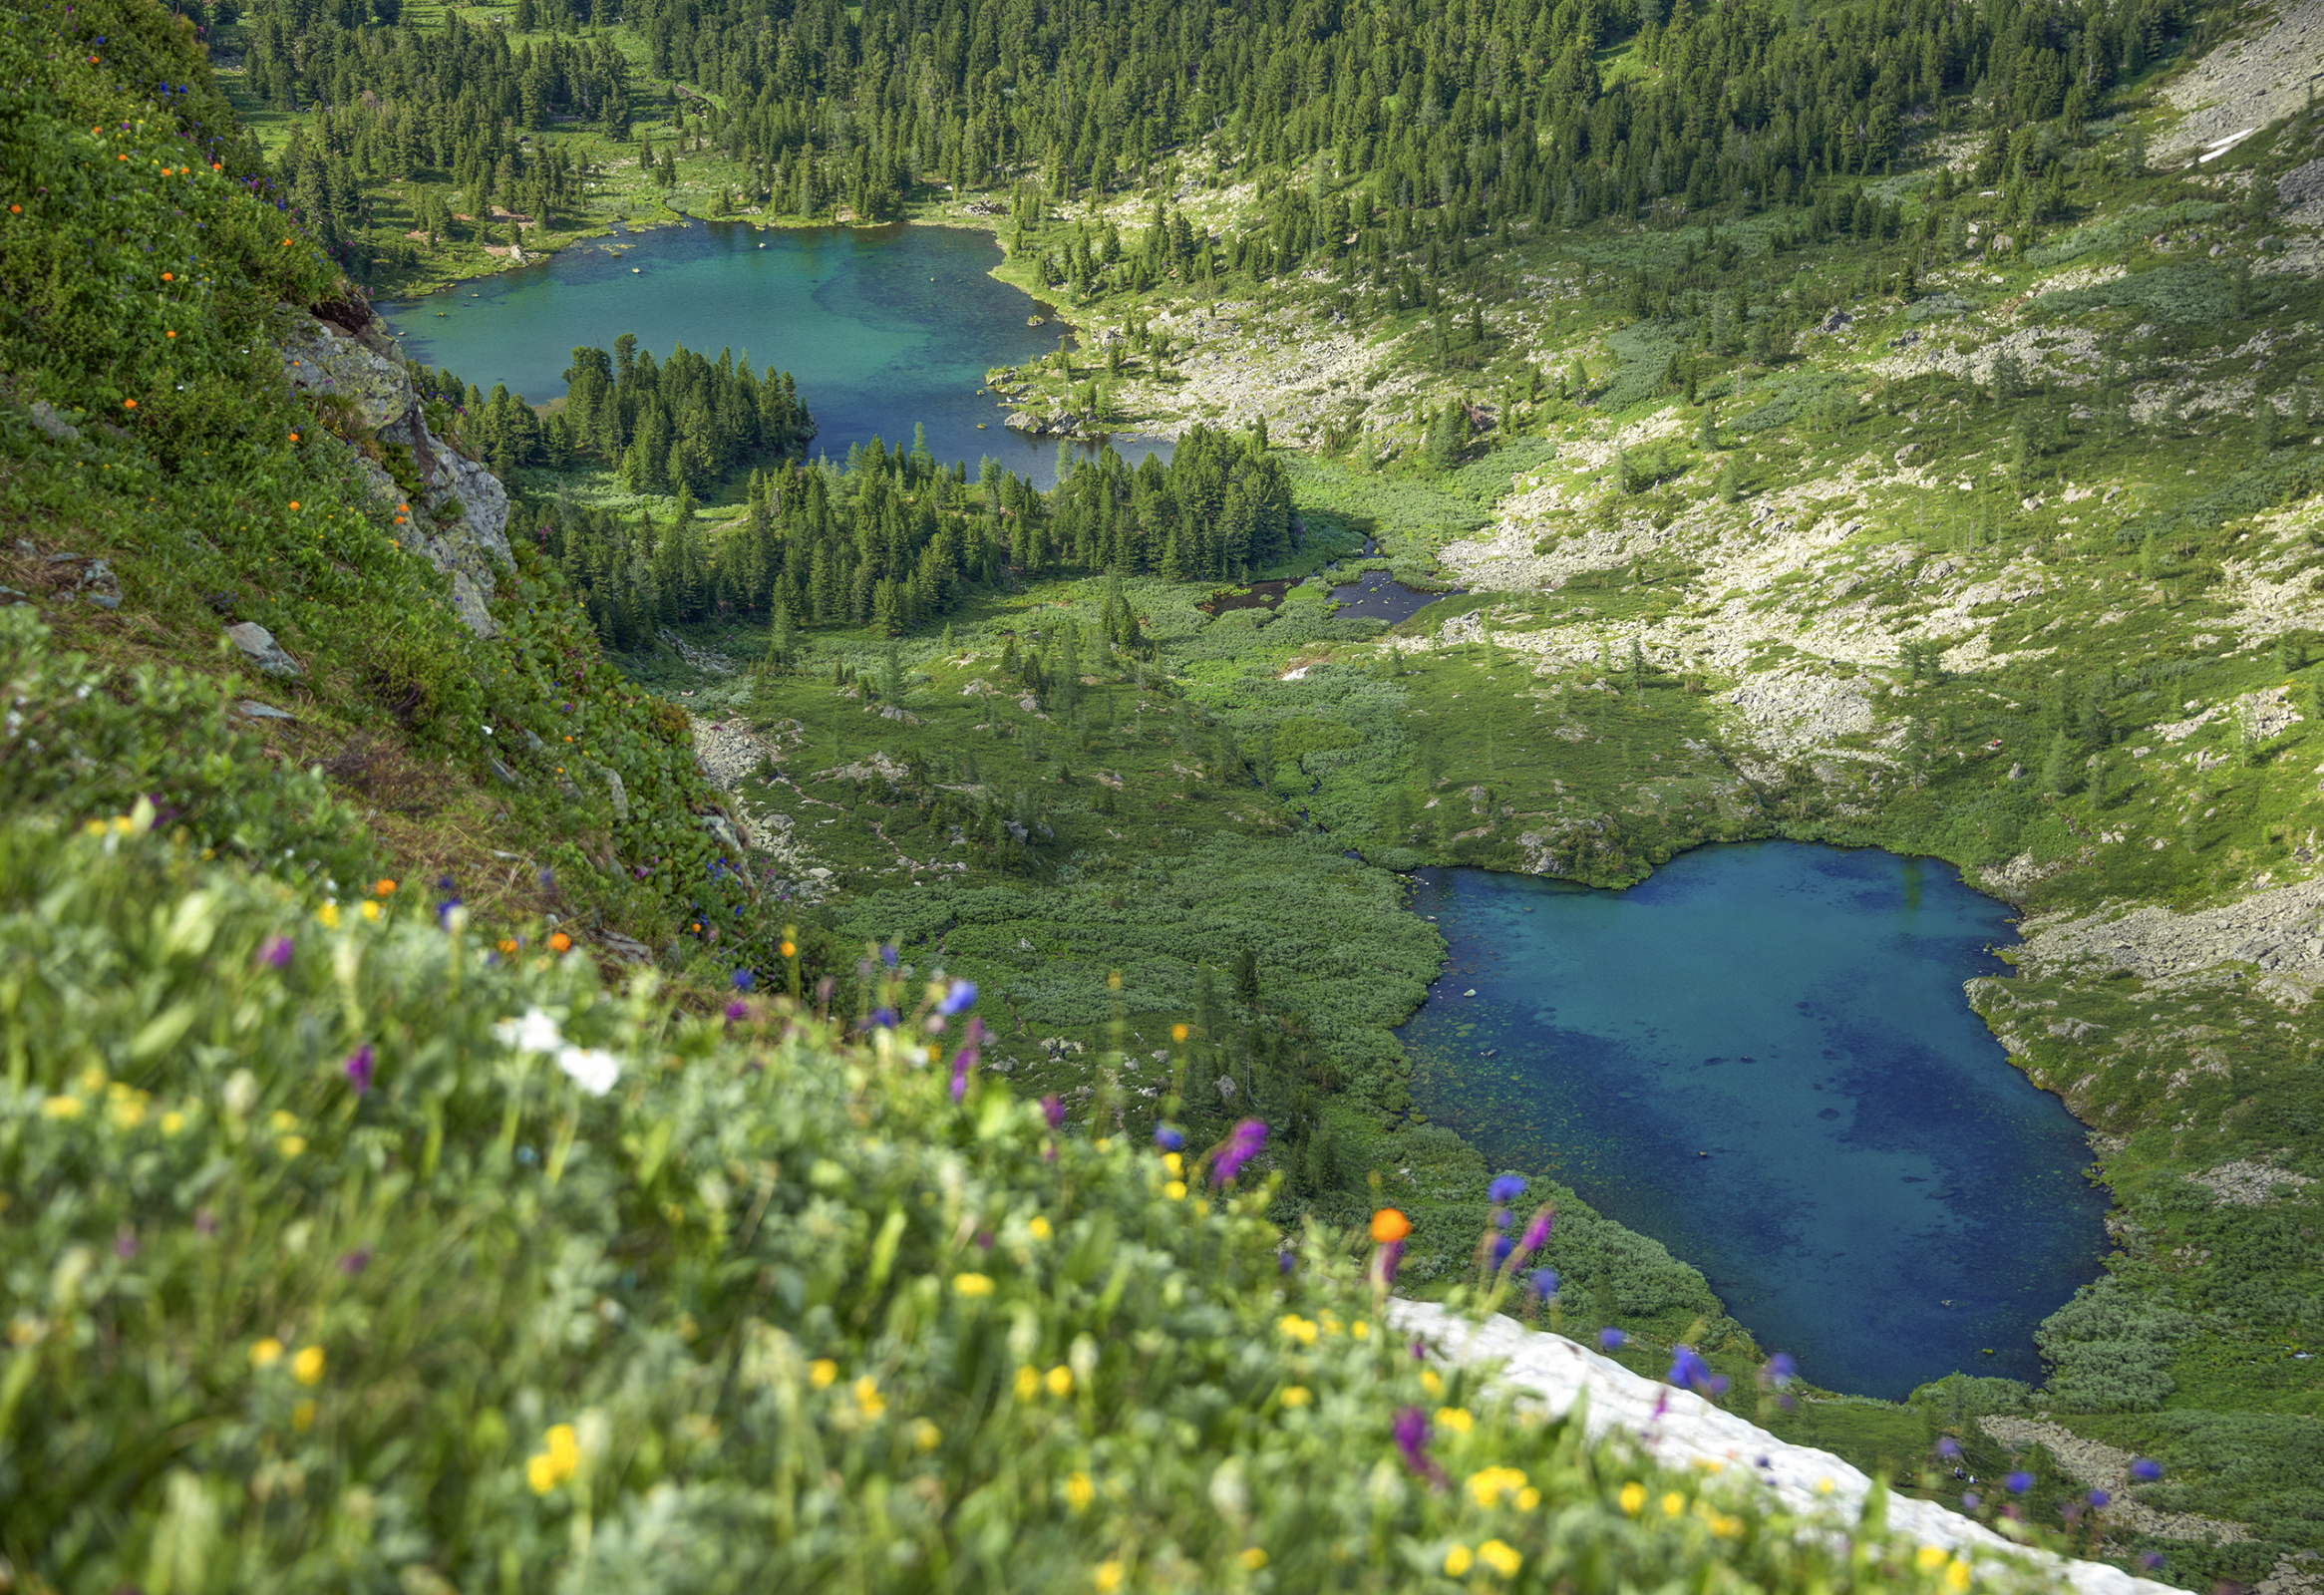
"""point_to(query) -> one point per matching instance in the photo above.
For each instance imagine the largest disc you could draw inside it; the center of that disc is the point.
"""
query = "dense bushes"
(344, 1254)
(2110, 1351)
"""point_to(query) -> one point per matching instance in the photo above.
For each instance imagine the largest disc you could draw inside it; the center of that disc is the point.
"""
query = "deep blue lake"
(880, 327)
(1795, 1012)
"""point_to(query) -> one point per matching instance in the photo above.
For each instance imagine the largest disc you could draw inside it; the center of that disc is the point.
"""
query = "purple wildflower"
(956, 1000)
(1687, 1369)
(738, 1009)
(1949, 1448)
(884, 1018)
(2150, 1560)
(2145, 1472)
(1543, 1282)
(888, 956)
(1782, 1370)
(1053, 1110)
(1411, 1439)
(745, 979)
(1286, 1262)
(125, 1242)
(276, 953)
(355, 1261)
(1502, 1247)
(1537, 1232)
(2019, 1483)
(359, 1064)
(1169, 1139)
(1971, 1500)
(962, 1062)
(1243, 1143)
(2099, 1498)
(1508, 1188)
(1384, 1263)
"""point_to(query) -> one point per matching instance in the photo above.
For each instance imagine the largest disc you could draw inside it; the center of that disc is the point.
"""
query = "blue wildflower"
(1611, 1339)
(888, 956)
(2145, 1472)
(745, 979)
(1543, 1282)
(1782, 1370)
(1169, 1139)
(2019, 1483)
(2099, 1498)
(957, 999)
(1502, 1247)
(1508, 1188)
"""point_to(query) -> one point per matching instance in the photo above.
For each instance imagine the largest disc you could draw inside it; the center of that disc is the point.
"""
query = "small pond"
(1762, 1058)
(1377, 595)
(882, 328)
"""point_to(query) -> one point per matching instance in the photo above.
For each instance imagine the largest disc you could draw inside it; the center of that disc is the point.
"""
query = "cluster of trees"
(894, 542)
(1220, 509)
(678, 424)
(663, 427)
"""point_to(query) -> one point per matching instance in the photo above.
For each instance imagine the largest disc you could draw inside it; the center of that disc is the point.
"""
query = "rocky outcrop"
(1681, 1430)
(2279, 932)
(2246, 84)
(459, 520)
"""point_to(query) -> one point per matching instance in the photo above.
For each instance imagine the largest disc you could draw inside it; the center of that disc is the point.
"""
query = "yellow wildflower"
(1455, 1419)
(1528, 1498)
(302, 1416)
(1299, 1329)
(1060, 1381)
(1501, 1556)
(1633, 1497)
(1459, 1560)
(61, 1108)
(821, 1372)
(972, 1285)
(1079, 1492)
(1930, 1558)
(926, 1436)
(1038, 1229)
(564, 1451)
(172, 1121)
(1028, 1384)
(266, 1353)
(1431, 1381)
(1108, 1577)
(1360, 1329)
(282, 1120)
(329, 915)
(869, 1401)
(291, 1145)
(541, 1474)
(1489, 1484)
(1957, 1576)
(1673, 1503)
(371, 912)
(1176, 1163)
(1296, 1396)
(1253, 1558)
(308, 1365)
(1175, 1190)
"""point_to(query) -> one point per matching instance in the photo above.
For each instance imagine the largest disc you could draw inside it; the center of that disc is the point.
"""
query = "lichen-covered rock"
(460, 521)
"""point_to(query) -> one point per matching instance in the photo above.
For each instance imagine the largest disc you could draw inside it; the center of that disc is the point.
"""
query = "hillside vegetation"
(1853, 428)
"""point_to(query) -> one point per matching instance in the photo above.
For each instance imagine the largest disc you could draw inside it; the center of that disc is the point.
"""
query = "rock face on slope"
(458, 517)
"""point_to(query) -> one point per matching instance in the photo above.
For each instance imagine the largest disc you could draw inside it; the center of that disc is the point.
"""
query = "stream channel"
(1762, 1058)
(882, 328)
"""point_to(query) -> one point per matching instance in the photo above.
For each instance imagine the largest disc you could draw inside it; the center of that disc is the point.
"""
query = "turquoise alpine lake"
(1763, 1057)
(882, 328)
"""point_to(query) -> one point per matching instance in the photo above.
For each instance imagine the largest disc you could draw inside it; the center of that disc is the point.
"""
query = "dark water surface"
(1376, 595)
(1797, 1013)
(881, 327)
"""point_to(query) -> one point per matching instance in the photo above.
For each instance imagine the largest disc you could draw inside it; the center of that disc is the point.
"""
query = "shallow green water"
(1762, 1058)
(881, 327)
